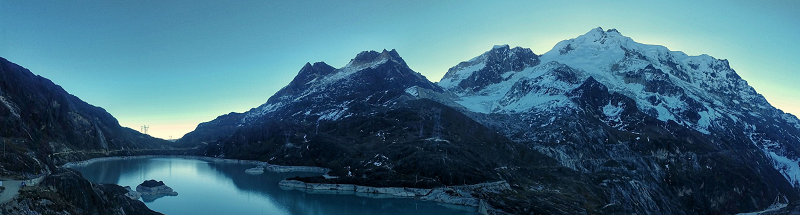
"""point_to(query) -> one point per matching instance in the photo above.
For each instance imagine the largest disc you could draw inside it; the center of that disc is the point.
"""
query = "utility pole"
(144, 129)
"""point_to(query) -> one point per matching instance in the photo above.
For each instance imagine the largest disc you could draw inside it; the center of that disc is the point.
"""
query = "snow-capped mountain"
(602, 97)
(322, 93)
(329, 91)
(370, 122)
(599, 124)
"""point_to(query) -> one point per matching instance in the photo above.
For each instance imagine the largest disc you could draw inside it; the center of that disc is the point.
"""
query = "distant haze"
(174, 64)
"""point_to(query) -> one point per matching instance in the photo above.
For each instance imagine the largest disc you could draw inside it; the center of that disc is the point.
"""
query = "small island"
(255, 170)
(151, 190)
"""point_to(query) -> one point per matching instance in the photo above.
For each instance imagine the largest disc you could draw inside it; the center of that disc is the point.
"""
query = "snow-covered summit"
(666, 82)
(700, 93)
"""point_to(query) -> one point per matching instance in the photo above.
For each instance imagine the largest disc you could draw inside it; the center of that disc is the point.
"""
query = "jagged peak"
(489, 67)
(321, 64)
(502, 50)
(504, 46)
(318, 68)
(375, 58)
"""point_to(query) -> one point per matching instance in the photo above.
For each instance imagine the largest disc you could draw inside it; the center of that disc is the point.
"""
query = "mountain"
(366, 122)
(44, 126)
(661, 131)
(376, 122)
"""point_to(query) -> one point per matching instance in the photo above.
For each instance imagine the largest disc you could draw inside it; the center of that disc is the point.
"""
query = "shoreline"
(265, 165)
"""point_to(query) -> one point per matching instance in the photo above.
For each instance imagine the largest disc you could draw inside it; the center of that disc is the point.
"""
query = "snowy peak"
(698, 93)
(491, 67)
(594, 40)
(371, 78)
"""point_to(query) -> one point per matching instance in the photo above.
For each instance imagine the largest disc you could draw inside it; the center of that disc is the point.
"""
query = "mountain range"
(598, 124)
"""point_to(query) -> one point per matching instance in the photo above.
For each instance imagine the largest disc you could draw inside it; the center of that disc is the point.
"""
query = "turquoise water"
(224, 188)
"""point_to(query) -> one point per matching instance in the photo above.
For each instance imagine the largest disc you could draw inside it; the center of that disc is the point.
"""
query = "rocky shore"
(455, 195)
(65, 191)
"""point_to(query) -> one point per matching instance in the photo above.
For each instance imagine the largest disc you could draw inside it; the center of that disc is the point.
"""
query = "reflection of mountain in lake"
(207, 188)
(299, 202)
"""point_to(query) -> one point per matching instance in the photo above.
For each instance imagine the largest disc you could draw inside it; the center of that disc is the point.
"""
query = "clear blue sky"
(173, 64)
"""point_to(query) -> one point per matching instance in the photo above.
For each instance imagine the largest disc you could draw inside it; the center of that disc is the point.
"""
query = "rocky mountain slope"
(43, 125)
(661, 131)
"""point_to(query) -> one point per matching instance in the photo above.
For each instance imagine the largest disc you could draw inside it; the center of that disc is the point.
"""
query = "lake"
(224, 188)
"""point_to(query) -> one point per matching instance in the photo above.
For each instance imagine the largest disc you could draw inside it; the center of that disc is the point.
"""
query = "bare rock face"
(151, 190)
(65, 191)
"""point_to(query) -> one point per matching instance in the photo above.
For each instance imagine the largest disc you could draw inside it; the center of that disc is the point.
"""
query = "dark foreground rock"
(67, 192)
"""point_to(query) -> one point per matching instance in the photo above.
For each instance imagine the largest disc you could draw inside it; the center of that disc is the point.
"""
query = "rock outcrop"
(153, 187)
(151, 190)
(66, 192)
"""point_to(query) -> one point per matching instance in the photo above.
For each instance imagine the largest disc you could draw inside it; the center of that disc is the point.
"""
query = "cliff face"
(41, 125)
(65, 191)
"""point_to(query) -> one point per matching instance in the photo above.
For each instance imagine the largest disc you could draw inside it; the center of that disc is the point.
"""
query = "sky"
(174, 64)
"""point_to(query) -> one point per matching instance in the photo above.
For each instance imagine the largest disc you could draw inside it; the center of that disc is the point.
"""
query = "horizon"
(174, 65)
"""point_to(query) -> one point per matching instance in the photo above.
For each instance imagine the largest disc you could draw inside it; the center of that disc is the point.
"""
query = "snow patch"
(612, 111)
(460, 75)
(333, 114)
(413, 91)
(703, 122)
(790, 168)
(260, 111)
(436, 139)
(664, 114)
(791, 119)
(11, 107)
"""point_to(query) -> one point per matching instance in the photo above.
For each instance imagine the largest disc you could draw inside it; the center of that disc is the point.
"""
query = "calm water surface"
(224, 188)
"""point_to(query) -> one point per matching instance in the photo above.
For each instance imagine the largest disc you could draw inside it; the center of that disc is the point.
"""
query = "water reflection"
(225, 188)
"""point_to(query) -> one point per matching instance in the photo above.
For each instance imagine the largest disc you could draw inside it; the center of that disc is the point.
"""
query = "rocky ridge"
(40, 117)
